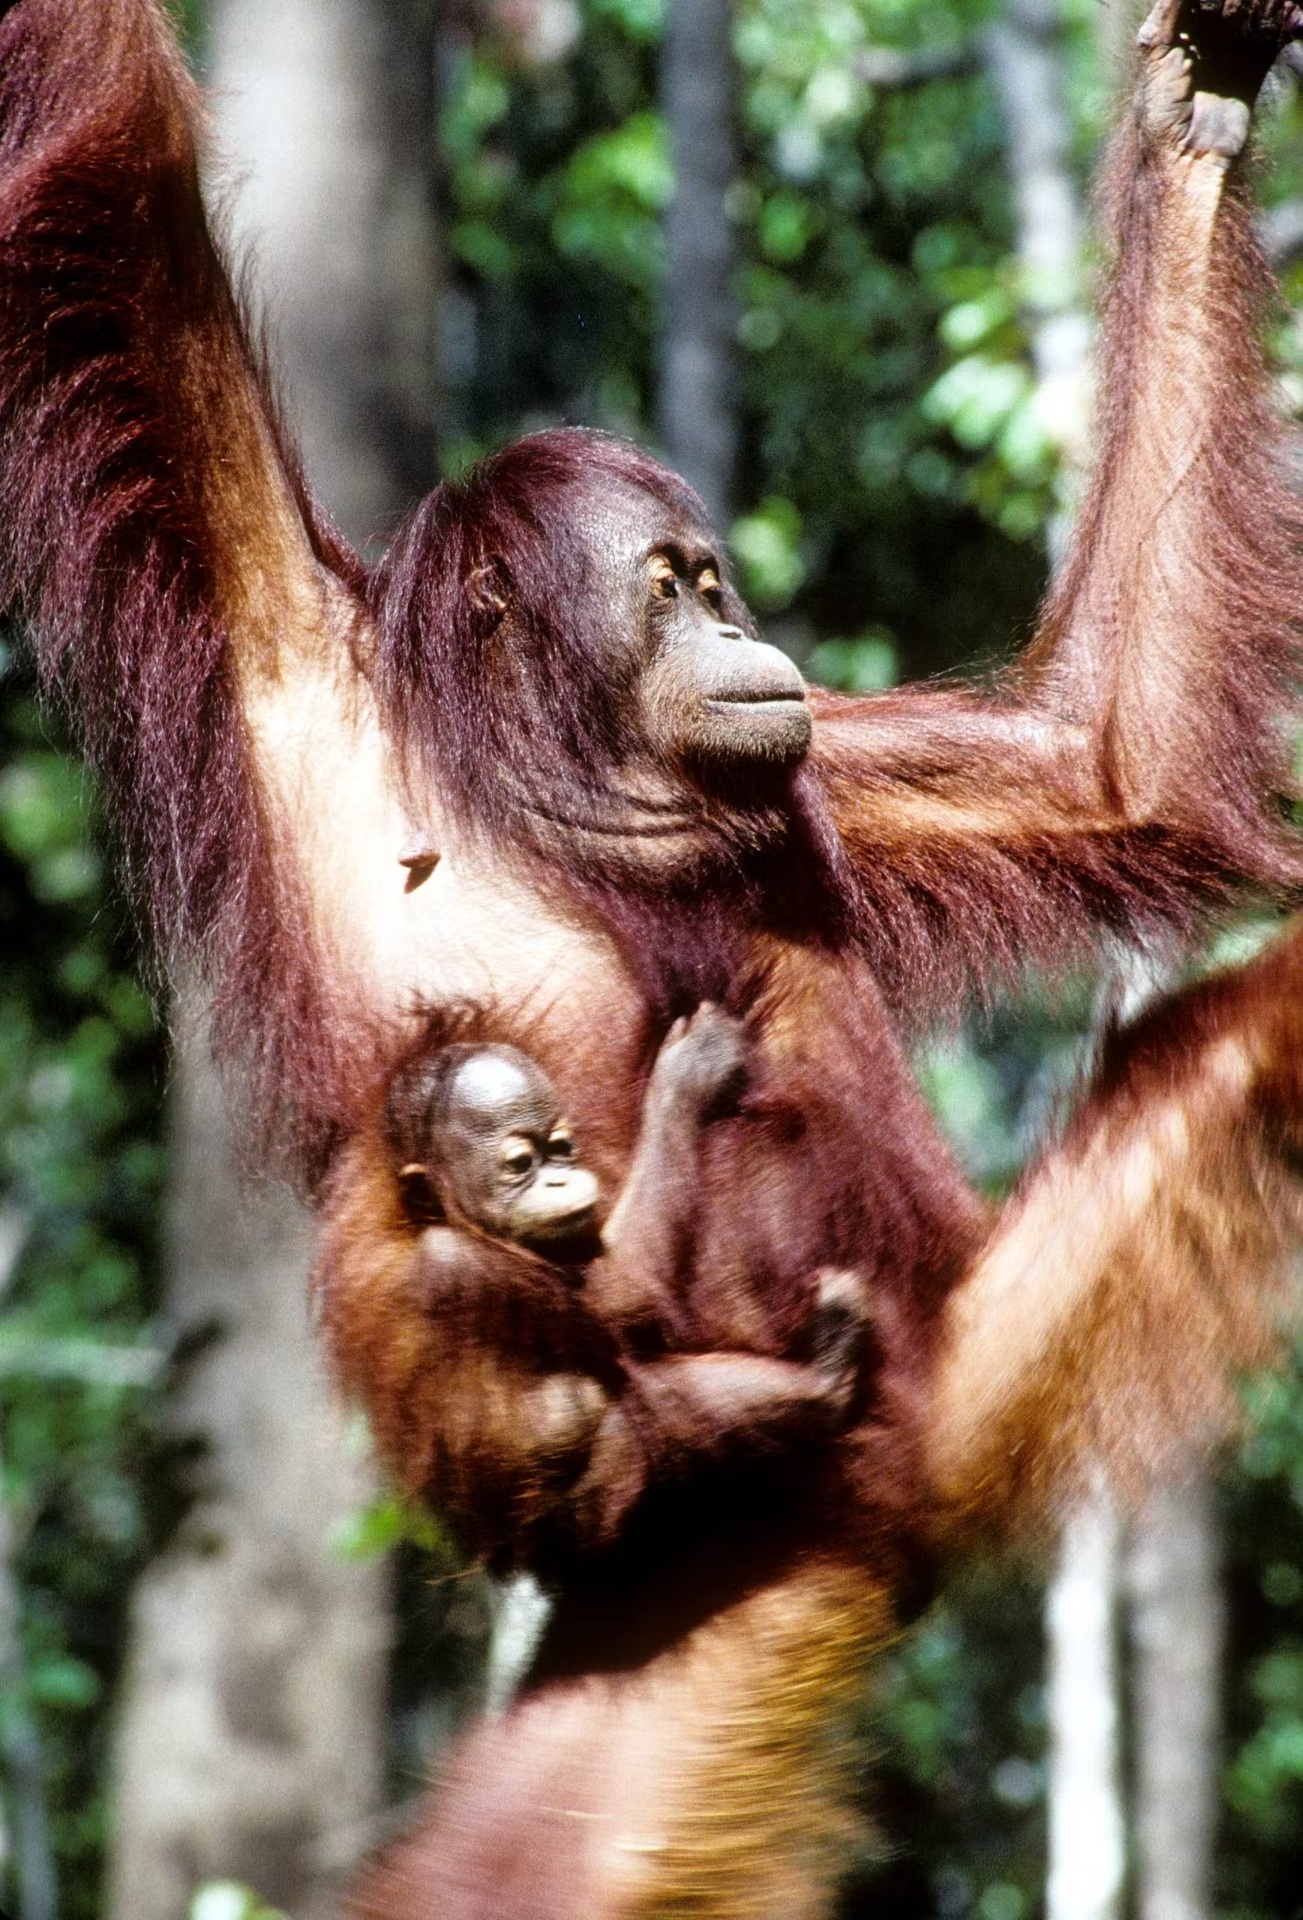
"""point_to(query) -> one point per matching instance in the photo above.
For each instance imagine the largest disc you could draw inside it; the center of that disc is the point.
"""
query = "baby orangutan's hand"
(702, 1065)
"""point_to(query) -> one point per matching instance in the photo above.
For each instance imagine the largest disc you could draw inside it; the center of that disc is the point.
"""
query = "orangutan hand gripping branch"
(538, 763)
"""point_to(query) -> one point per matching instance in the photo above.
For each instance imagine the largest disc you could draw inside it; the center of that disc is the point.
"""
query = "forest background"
(859, 324)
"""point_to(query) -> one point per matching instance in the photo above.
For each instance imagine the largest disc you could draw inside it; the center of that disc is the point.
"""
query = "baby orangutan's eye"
(560, 1147)
(516, 1157)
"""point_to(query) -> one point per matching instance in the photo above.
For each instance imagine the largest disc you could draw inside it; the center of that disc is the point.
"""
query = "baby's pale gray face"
(508, 1155)
(500, 1089)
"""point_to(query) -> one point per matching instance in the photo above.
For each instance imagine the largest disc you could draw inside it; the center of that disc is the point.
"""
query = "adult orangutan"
(537, 763)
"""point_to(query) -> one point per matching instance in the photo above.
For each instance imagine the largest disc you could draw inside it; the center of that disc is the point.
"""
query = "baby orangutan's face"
(506, 1155)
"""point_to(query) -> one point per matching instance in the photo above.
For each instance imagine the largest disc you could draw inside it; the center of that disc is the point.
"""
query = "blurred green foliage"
(81, 1172)
(386, 1521)
(228, 1900)
(864, 222)
(1261, 1858)
(959, 1723)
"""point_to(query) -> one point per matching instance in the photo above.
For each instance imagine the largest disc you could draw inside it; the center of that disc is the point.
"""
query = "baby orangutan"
(540, 1397)
(495, 1154)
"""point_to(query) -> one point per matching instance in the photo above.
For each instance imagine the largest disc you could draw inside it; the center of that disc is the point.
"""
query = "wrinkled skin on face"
(580, 680)
(502, 1155)
(710, 697)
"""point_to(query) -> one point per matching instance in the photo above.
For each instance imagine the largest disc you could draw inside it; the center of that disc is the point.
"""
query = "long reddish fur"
(1111, 784)
(138, 430)
(617, 1808)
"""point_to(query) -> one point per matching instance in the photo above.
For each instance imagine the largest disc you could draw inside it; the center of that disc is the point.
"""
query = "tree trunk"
(252, 1727)
(1087, 1835)
(697, 422)
(326, 108)
(1025, 55)
(251, 1735)
(1176, 1619)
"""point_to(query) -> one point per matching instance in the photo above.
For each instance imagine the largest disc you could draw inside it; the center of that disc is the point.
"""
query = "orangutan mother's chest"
(833, 1135)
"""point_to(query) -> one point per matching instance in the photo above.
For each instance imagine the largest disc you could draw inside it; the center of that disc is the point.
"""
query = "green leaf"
(642, 20)
(865, 665)
(975, 398)
(766, 546)
(381, 1525)
(230, 1900)
(62, 1682)
(785, 226)
(971, 322)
